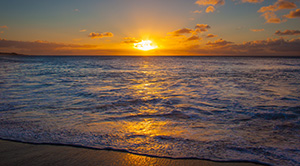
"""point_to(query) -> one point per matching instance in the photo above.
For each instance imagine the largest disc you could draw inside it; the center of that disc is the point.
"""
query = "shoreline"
(20, 153)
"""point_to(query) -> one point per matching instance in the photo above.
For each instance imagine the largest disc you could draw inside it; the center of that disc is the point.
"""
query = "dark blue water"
(218, 108)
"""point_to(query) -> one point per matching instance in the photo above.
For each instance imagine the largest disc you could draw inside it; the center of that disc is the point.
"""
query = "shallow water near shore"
(217, 108)
(16, 153)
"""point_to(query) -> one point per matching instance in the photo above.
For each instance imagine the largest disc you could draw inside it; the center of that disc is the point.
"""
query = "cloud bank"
(287, 32)
(274, 47)
(41, 47)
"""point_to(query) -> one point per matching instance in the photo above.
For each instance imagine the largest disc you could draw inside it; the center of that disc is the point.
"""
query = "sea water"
(216, 108)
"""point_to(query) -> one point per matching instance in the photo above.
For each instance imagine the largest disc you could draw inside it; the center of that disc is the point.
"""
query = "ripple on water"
(216, 108)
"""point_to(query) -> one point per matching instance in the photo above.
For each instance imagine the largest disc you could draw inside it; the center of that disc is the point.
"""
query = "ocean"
(215, 108)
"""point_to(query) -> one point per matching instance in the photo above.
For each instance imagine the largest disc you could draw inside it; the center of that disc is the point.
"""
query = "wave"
(172, 115)
(126, 151)
(213, 108)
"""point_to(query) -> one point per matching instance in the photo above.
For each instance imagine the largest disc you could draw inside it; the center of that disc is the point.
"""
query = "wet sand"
(16, 153)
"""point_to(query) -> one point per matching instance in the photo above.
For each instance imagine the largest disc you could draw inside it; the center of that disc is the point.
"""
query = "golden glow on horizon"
(145, 45)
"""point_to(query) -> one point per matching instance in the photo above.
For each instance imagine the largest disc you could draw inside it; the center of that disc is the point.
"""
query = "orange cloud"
(82, 30)
(278, 46)
(4, 27)
(272, 45)
(94, 35)
(279, 5)
(288, 32)
(269, 11)
(210, 9)
(218, 43)
(282, 4)
(211, 36)
(182, 31)
(252, 1)
(257, 30)
(202, 28)
(197, 11)
(258, 47)
(293, 14)
(130, 40)
(41, 41)
(192, 38)
(210, 2)
(271, 17)
(193, 33)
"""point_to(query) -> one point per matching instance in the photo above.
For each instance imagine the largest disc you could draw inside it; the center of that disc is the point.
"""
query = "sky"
(175, 27)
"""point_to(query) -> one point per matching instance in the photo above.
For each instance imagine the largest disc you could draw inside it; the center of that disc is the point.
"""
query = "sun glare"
(145, 45)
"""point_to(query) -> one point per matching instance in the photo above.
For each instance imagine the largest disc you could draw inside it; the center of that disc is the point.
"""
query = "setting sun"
(145, 45)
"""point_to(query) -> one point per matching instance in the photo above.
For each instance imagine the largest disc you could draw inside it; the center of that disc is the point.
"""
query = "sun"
(145, 45)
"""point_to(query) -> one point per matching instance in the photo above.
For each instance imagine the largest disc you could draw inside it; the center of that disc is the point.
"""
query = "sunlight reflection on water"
(219, 108)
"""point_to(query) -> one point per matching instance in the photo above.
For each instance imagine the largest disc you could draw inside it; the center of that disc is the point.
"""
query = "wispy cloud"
(41, 47)
(257, 30)
(94, 35)
(130, 40)
(76, 10)
(287, 32)
(4, 27)
(197, 11)
(252, 1)
(82, 30)
(211, 36)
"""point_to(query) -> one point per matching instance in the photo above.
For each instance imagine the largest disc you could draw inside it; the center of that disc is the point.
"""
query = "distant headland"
(10, 53)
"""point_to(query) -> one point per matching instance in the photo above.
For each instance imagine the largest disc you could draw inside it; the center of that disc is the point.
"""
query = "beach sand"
(16, 153)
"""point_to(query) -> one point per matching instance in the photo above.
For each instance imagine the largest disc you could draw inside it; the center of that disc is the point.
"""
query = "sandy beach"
(16, 153)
